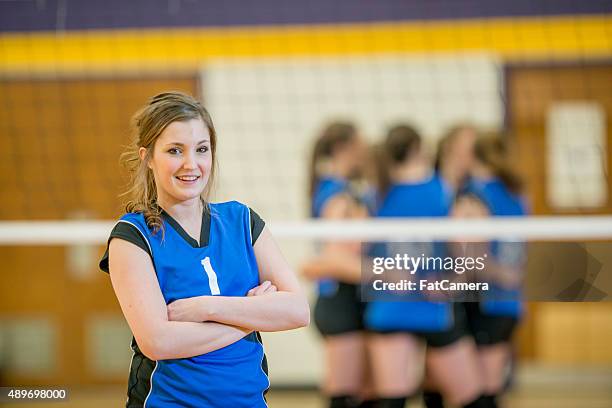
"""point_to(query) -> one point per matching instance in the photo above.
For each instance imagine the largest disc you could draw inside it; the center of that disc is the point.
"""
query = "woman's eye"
(174, 150)
(203, 149)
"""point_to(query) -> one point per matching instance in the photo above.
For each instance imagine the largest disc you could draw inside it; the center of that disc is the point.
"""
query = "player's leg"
(494, 362)
(455, 370)
(344, 369)
(432, 398)
(493, 335)
(368, 393)
(339, 319)
(453, 364)
(397, 362)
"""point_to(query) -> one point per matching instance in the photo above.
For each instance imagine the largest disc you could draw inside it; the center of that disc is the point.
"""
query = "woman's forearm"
(345, 268)
(270, 312)
(508, 276)
(187, 339)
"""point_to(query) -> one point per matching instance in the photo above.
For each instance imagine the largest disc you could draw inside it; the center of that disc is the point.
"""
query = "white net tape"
(543, 228)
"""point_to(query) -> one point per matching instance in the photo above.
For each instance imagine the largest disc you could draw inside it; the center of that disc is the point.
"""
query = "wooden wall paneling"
(59, 154)
(555, 332)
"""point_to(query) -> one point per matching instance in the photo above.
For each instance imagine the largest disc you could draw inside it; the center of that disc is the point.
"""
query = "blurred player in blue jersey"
(196, 280)
(453, 164)
(408, 187)
(336, 164)
(496, 189)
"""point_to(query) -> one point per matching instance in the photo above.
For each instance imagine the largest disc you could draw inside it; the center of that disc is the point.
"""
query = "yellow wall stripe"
(187, 49)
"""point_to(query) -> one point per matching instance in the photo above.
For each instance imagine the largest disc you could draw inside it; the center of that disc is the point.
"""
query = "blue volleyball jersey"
(430, 198)
(222, 264)
(501, 202)
(326, 189)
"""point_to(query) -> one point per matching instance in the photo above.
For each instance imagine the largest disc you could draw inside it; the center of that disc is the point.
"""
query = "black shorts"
(341, 312)
(487, 329)
(442, 338)
(450, 335)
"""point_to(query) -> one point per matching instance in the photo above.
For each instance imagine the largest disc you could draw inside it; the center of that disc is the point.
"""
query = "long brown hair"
(401, 143)
(334, 135)
(448, 139)
(492, 151)
(148, 124)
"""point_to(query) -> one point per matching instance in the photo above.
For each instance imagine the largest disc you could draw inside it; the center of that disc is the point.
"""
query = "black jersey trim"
(127, 231)
(140, 234)
(150, 385)
(257, 225)
(133, 380)
(264, 367)
(140, 382)
(204, 228)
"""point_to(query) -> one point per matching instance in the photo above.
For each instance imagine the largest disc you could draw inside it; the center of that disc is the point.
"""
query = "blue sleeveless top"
(430, 198)
(501, 202)
(327, 188)
(222, 264)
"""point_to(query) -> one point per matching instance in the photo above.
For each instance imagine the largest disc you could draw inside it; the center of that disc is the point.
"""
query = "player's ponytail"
(148, 124)
(446, 144)
(491, 150)
(402, 143)
(334, 136)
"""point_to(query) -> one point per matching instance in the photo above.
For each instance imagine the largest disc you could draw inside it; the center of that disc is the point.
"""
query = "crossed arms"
(199, 325)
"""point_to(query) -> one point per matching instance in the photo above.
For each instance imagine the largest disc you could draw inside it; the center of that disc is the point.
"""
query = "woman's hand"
(199, 308)
(314, 268)
(265, 287)
(189, 310)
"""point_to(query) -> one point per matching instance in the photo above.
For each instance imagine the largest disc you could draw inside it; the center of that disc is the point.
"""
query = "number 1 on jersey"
(212, 277)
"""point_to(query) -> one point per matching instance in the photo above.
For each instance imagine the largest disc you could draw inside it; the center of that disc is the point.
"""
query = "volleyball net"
(547, 250)
(272, 80)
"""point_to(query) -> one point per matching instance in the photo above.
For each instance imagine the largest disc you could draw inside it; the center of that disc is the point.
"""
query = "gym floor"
(536, 387)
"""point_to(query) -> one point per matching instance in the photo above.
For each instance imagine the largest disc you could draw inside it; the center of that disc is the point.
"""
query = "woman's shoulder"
(238, 213)
(328, 187)
(132, 216)
(130, 227)
(227, 206)
(229, 210)
(136, 219)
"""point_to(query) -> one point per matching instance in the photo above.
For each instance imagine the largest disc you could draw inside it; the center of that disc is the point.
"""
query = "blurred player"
(495, 190)
(409, 188)
(453, 164)
(338, 157)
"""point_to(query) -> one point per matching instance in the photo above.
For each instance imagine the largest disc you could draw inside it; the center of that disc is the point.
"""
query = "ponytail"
(333, 136)
(491, 150)
(401, 143)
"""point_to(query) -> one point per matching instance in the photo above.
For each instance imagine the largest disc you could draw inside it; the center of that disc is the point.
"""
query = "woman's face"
(181, 161)
(462, 151)
(354, 152)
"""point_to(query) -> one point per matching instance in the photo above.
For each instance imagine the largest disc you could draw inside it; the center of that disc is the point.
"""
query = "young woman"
(196, 281)
(492, 320)
(336, 158)
(453, 163)
(408, 188)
